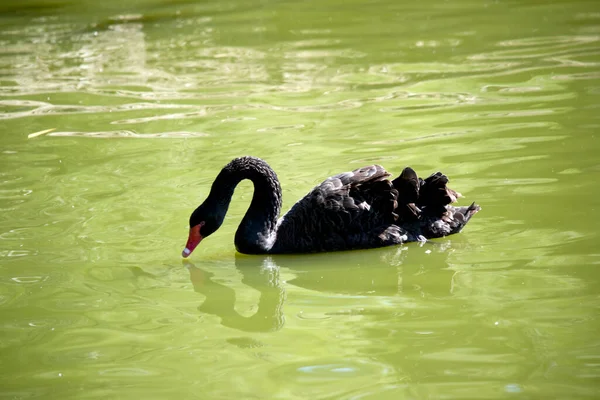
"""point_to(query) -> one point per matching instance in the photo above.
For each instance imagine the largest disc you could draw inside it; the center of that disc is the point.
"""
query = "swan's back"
(339, 213)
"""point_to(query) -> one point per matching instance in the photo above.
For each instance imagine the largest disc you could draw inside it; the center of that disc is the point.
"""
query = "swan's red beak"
(193, 240)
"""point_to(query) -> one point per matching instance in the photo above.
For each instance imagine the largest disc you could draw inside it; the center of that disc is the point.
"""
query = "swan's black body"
(353, 210)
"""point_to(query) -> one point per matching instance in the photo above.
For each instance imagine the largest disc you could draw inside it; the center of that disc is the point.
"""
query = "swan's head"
(204, 221)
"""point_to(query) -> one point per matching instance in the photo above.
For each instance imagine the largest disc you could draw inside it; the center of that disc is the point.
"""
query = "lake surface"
(115, 117)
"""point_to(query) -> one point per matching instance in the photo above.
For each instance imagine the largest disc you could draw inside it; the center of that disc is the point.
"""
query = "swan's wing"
(353, 193)
(345, 211)
(408, 187)
(356, 177)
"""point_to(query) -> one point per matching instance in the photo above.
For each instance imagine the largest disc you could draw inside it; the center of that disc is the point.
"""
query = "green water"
(146, 101)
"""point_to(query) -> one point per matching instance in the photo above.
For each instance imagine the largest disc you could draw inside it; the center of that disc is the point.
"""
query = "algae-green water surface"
(115, 117)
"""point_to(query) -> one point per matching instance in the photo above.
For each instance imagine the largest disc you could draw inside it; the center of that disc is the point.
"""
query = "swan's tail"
(417, 196)
(434, 192)
(427, 202)
(451, 220)
(461, 215)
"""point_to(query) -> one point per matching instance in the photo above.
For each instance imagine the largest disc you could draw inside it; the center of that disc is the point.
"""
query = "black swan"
(353, 210)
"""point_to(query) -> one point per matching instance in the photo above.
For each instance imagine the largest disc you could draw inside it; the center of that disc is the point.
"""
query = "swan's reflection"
(407, 270)
(220, 299)
(377, 272)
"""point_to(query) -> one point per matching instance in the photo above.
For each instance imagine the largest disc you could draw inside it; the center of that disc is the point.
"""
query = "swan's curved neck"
(257, 231)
